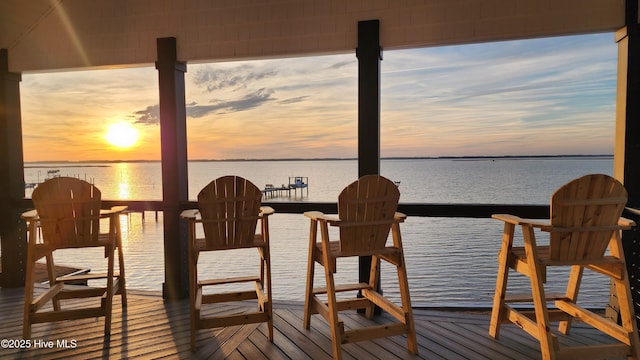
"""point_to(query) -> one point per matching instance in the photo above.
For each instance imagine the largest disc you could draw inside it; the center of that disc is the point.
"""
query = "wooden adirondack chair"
(68, 211)
(585, 222)
(366, 215)
(228, 211)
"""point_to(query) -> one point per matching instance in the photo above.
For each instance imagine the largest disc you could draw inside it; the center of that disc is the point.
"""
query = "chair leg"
(548, 341)
(403, 281)
(501, 281)
(109, 296)
(193, 289)
(573, 286)
(625, 299)
(337, 328)
(51, 274)
(374, 276)
(122, 288)
(28, 296)
(269, 305)
(627, 316)
(311, 262)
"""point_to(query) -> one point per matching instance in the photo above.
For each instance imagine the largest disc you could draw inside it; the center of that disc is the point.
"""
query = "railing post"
(173, 138)
(12, 229)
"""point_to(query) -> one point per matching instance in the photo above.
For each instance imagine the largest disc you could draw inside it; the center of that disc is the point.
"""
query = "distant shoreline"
(68, 163)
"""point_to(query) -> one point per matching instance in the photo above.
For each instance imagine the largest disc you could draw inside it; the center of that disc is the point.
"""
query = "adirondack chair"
(585, 222)
(228, 213)
(68, 212)
(366, 216)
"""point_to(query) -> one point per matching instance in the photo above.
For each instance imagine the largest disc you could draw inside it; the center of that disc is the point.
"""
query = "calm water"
(451, 262)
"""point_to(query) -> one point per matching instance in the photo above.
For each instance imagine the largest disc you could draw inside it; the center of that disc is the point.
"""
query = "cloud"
(293, 100)
(340, 64)
(148, 116)
(151, 115)
(249, 101)
(238, 77)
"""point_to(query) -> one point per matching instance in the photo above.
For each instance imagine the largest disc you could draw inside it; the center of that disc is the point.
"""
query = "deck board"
(152, 328)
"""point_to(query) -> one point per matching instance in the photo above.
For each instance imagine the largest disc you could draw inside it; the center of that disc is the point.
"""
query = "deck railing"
(410, 209)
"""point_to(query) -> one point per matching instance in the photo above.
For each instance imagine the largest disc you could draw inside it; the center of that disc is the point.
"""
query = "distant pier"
(295, 183)
(52, 173)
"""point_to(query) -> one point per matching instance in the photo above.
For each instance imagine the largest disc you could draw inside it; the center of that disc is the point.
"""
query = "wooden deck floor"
(152, 328)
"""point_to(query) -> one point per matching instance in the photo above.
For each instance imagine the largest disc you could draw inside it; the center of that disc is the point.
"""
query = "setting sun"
(122, 135)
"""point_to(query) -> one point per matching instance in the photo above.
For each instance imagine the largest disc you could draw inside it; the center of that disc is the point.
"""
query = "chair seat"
(41, 249)
(390, 253)
(334, 247)
(608, 265)
(544, 256)
(201, 244)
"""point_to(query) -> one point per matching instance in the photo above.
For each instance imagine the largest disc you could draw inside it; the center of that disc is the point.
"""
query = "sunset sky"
(532, 97)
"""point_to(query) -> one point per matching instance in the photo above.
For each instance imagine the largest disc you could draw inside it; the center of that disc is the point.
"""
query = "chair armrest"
(319, 215)
(516, 220)
(626, 223)
(399, 216)
(114, 210)
(119, 208)
(190, 214)
(30, 215)
(313, 215)
(266, 210)
(511, 219)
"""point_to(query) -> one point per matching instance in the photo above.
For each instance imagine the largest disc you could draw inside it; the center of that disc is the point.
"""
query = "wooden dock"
(152, 328)
(295, 183)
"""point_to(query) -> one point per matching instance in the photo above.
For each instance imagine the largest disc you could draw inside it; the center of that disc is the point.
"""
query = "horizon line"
(334, 158)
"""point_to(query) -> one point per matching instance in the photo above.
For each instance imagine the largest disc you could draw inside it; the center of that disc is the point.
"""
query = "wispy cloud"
(484, 97)
(248, 101)
(212, 78)
(293, 100)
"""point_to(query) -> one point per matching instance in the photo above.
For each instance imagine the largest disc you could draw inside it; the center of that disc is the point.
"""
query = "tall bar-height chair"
(69, 213)
(228, 211)
(584, 232)
(366, 216)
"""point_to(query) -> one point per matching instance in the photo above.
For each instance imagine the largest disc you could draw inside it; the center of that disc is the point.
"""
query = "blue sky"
(530, 97)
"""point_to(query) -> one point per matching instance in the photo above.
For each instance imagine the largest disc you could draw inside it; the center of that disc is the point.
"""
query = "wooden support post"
(369, 54)
(627, 141)
(173, 137)
(12, 229)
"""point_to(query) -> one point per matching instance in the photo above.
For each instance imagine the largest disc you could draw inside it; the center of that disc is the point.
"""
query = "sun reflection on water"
(124, 183)
(123, 192)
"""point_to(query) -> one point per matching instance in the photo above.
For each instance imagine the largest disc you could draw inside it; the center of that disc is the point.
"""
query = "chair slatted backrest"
(69, 212)
(367, 209)
(230, 208)
(585, 212)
